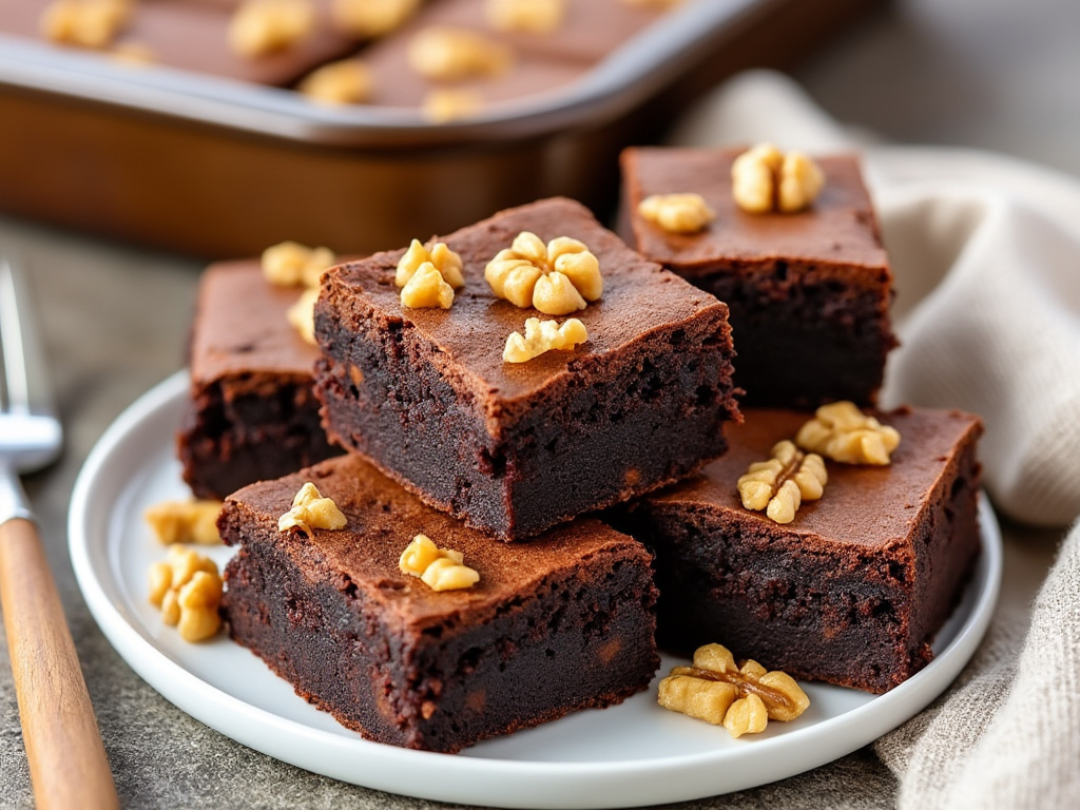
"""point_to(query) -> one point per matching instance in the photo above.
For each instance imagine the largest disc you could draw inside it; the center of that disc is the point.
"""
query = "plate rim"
(517, 784)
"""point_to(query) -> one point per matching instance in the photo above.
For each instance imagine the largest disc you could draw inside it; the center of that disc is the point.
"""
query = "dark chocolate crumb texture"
(251, 413)
(809, 292)
(853, 590)
(514, 449)
(560, 624)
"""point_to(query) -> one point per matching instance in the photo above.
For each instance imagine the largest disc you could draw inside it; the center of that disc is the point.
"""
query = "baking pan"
(219, 168)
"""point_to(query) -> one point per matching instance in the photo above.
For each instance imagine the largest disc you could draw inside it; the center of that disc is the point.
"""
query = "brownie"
(516, 448)
(251, 413)
(852, 591)
(809, 292)
(193, 35)
(561, 624)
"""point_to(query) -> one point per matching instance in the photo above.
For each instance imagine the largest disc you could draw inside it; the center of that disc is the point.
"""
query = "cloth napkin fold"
(986, 256)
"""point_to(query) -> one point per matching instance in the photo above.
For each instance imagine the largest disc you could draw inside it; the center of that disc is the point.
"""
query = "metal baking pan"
(219, 168)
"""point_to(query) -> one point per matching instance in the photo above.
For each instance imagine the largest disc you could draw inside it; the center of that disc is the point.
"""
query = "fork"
(68, 765)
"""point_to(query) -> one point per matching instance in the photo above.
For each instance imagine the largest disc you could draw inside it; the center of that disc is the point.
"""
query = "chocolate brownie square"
(563, 623)
(809, 292)
(514, 448)
(853, 590)
(251, 414)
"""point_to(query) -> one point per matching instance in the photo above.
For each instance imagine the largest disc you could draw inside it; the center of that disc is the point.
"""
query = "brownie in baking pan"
(809, 292)
(515, 448)
(251, 412)
(560, 624)
(854, 589)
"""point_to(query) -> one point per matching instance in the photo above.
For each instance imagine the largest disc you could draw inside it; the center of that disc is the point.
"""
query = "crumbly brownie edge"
(231, 437)
(582, 639)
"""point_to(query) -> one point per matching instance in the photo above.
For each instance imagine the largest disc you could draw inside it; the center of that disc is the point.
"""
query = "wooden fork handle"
(68, 765)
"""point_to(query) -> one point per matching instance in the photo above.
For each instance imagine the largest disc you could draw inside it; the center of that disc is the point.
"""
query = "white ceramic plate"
(625, 756)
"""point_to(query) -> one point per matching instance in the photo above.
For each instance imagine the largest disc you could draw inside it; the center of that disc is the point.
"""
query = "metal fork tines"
(30, 433)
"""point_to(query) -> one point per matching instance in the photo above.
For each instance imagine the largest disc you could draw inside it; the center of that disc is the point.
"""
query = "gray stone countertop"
(997, 75)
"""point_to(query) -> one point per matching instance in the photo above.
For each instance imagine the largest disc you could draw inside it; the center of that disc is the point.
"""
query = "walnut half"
(764, 179)
(781, 484)
(187, 587)
(557, 278)
(741, 697)
(842, 432)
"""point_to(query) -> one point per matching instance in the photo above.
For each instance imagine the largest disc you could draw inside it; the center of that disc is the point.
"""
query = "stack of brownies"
(593, 488)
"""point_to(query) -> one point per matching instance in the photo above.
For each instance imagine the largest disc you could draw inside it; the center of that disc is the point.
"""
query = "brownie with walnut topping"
(855, 588)
(560, 624)
(515, 448)
(809, 292)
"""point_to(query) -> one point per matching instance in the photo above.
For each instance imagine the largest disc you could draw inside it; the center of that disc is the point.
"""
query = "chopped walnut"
(530, 16)
(345, 82)
(764, 179)
(556, 279)
(187, 587)
(442, 106)
(290, 264)
(87, 23)
(781, 484)
(302, 314)
(449, 54)
(185, 521)
(439, 255)
(310, 510)
(677, 213)
(842, 432)
(371, 18)
(427, 289)
(741, 697)
(441, 569)
(543, 336)
(259, 27)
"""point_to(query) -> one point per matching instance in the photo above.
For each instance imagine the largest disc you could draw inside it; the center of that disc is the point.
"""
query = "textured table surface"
(997, 75)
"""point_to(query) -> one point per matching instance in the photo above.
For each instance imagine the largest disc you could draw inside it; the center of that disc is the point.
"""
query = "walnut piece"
(444, 260)
(427, 289)
(185, 521)
(450, 54)
(556, 279)
(371, 18)
(441, 569)
(345, 82)
(444, 105)
(741, 697)
(259, 27)
(677, 213)
(530, 16)
(290, 264)
(187, 587)
(87, 23)
(763, 179)
(302, 314)
(842, 432)
(781, 484)
(543, 336)
(310, 510)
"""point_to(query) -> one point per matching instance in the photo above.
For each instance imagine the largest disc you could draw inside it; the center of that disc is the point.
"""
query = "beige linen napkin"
(986, 256)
